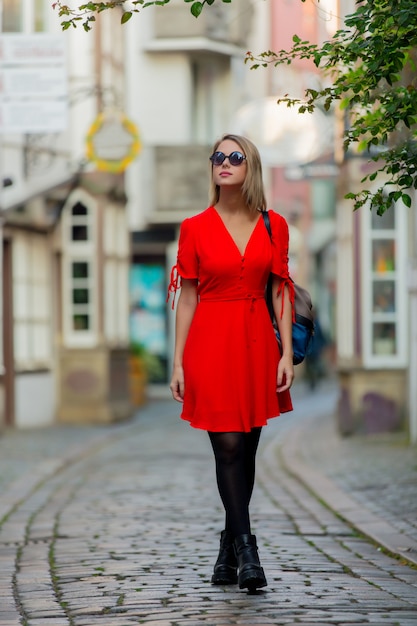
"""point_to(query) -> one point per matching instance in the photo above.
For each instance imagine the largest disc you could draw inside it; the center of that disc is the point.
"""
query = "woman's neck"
(231, 202)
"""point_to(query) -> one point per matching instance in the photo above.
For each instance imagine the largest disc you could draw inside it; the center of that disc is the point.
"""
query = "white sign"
(33, 83)
(41, 116)
(112, 141)
(45, 82)
(37, 49)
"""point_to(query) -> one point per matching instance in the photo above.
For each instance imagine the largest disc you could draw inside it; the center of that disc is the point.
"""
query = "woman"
(227, 369)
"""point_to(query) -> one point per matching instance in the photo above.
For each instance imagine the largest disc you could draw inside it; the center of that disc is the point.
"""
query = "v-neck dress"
(231, 356)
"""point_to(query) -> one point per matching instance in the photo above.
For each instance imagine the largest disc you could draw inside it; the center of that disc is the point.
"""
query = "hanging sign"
(112, 142)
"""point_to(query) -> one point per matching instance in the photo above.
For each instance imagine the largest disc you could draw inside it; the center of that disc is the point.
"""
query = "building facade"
(65, 244)
(187, 79)
(376, 304)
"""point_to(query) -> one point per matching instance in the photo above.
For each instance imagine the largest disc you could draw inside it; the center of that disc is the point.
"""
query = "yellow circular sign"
(112, 142)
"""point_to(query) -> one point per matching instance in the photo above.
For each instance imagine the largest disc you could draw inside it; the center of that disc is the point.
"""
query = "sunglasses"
(235, 158)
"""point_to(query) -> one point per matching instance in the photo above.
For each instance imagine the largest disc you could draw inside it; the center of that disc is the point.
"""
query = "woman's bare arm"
(285, 374)
(186, 306)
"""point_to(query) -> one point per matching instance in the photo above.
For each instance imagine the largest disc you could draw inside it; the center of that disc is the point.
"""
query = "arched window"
(79, 271)
(79, 222)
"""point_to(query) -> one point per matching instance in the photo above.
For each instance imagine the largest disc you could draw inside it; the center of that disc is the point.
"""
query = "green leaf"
(196, 8)
(126, 17)
(406, 199)
(405, 181)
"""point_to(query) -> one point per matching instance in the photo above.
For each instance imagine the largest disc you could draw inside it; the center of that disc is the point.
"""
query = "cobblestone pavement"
(120, 525)
(378, 472)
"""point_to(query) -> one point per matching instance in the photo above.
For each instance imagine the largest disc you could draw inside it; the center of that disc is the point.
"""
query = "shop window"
(384, 289)
(147, 322)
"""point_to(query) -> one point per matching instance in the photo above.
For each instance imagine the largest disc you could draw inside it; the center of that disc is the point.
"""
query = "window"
(79, 223)
(384, 289)
(31, 302)
(12, 18)
(24, 16)
(81, 295)
(116, 269)
(79, 267)
(209, 103)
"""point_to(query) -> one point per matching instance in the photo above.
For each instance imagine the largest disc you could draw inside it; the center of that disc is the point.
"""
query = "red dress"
(231, 356)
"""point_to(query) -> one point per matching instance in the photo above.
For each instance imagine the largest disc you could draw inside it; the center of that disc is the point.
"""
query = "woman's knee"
(228, 447)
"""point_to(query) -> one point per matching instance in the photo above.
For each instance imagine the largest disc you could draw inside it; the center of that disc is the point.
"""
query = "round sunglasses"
(235, 158)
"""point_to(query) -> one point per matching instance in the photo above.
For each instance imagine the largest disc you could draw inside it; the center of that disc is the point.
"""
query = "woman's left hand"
(285, 375)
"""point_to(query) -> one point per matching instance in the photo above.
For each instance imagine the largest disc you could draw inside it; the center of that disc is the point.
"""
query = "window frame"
(116, 276)
(32, 306)
(79, 251)
(29, 17)
(372, 276)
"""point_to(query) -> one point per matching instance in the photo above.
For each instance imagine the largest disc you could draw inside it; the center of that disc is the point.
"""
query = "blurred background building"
(376, 291)
(90, 229)
(65, 237)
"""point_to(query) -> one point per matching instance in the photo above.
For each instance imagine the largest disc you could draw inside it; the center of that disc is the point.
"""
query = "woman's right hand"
(177, 383)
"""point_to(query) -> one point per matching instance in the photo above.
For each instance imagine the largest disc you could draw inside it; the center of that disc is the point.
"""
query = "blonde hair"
(253, 187)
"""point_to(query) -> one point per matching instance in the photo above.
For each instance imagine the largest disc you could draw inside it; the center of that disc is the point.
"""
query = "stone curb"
(379, 531)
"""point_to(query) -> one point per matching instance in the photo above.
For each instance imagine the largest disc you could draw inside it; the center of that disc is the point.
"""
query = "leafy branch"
(371, 67)
(86, 13)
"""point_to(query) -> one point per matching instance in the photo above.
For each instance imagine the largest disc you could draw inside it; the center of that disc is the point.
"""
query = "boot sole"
(223, 580)
(252, 579)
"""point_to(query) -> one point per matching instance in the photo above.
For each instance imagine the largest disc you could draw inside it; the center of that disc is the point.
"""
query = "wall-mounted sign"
(112, 142)
(43, 116)
(35, 49)
(33, 83)
(19, 82)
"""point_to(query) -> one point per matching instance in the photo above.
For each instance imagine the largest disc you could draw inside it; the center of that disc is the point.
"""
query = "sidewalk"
(369, 481)
(29, 457)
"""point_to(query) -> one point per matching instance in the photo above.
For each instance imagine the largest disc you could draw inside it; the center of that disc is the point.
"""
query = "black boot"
(250, 572)
(225, 569)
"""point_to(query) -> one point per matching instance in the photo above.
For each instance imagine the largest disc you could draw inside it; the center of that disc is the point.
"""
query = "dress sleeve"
(280, 243)
(187, 260)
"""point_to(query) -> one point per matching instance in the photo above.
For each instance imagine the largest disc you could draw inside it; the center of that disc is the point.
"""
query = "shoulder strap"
(267, 222)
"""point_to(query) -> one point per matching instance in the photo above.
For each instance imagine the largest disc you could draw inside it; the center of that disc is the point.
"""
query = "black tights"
(235, 470)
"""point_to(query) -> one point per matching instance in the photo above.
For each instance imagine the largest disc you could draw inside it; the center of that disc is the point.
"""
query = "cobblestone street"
(126, 532)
